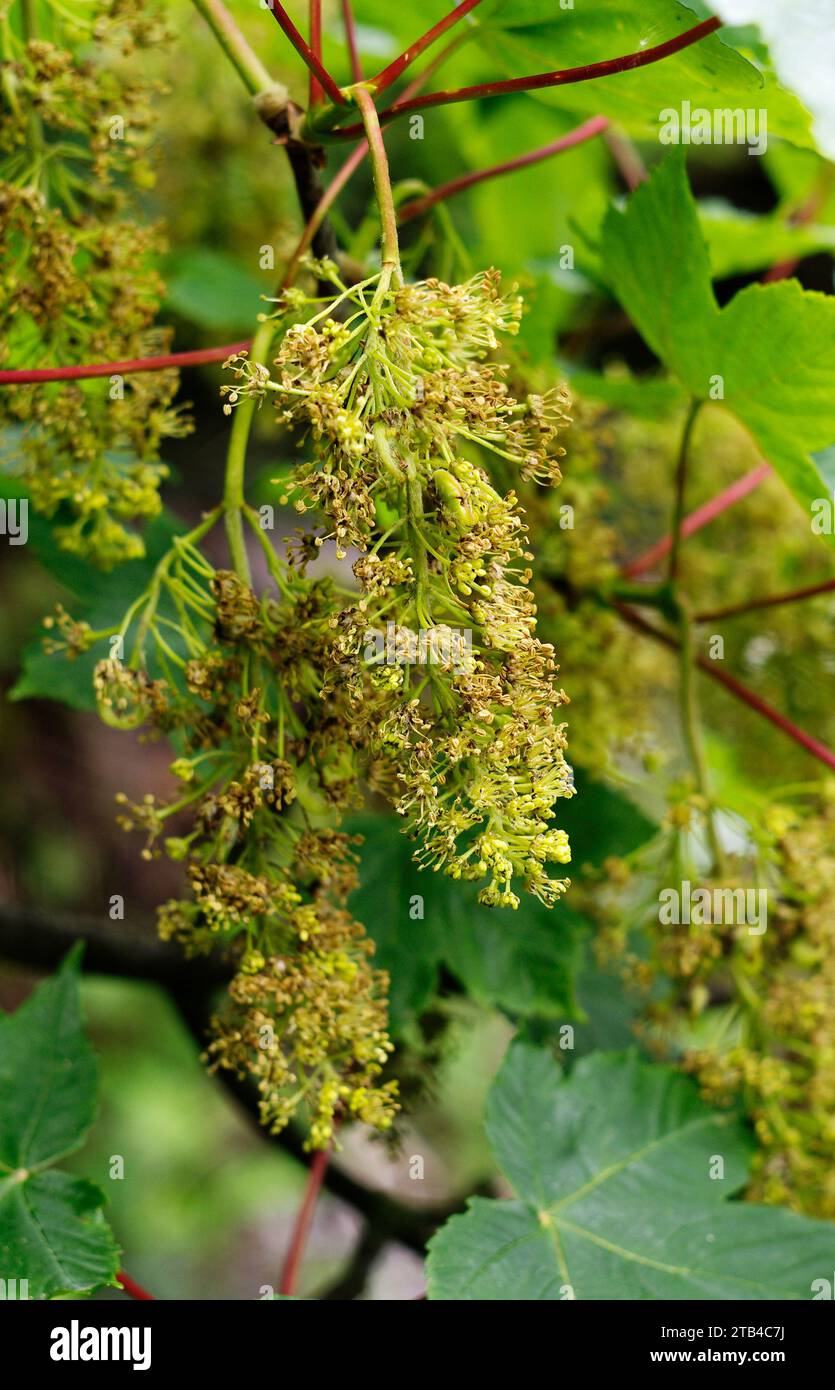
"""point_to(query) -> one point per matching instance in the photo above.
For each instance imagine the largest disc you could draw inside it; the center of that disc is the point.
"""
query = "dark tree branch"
(39, 938)
(353, 1281)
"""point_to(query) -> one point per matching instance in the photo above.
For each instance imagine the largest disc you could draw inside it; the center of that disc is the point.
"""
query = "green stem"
(692, 728)
(246, 62)
(390, 246)
(414, 512)
(690, 715)
(681, 487)
(233, 492)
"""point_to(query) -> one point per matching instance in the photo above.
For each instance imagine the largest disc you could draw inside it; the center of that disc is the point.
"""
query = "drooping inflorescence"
(264, 769)
(421, 677)
(402, 406)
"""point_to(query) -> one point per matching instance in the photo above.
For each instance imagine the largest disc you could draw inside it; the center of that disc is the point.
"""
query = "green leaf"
(773, 346)
(614, 1199)
(524, 37)
(520, 961)
(52, 1232)
(211, 290)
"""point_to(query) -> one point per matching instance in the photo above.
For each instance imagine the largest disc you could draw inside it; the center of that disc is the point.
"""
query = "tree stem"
(235, 46)
(681, 488)
(233, 493)
(691, 725)
(389, 246)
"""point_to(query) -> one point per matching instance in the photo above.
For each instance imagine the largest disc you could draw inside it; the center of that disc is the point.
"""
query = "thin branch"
(395, 69)
(39, 938)
(586, 73)
(748, 697)
(133, 1289)
(304, 50)
(595, 126)
(301, 1229)
(680, 488)
(751, 605)
(235, 46)
(351, 40)
(389, 248)
(315, 9)
(354, 1280)
(320, 212)
(702, 516)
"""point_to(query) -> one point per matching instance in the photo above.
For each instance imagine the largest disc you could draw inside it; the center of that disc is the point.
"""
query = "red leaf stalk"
(315, 91)
(581, 133)
(771, 601)
(395, 69)
(304, 1219)
(351, 40)
(748, 697)
(702, 516)
(132, 1289)
(304, 50)
(26, 376)
(586, 73)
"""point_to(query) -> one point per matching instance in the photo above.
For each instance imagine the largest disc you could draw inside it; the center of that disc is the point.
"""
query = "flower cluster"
(232, 681)
(749, 1013)
(395, 389)
(80, 285)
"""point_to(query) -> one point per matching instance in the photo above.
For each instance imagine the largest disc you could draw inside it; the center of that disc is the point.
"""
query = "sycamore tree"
(495, 671)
